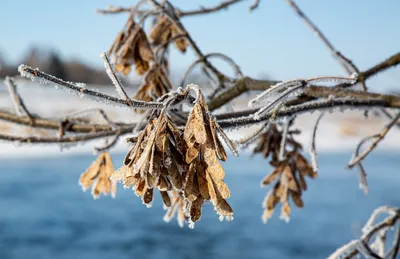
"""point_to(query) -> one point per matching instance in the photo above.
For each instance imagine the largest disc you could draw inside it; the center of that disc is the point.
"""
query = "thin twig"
(203, 10)
(19, 104)
(53, 124)
(254, 5)
(370, 230)
(345, 62)
(378, 138)
(64, 139)
(285, 131)
(114, 79)
(313, 150)
(75, 89)
(180, 13)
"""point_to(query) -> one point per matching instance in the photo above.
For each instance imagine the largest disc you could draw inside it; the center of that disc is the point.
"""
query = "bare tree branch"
(79, 89)
(377, 138)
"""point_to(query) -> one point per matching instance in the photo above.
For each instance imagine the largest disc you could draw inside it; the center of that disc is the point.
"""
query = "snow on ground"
(337, 131)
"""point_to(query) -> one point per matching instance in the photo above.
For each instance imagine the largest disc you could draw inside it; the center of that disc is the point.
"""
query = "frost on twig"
(112, 75)
(19, 105)
(372, 243)
(313, 150)
(79, 89)
(292, 88)
(358, 158)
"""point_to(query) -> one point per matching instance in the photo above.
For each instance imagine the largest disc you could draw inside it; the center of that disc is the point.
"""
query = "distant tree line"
(50, 61)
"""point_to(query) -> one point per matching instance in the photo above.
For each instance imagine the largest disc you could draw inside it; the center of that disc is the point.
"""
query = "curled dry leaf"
(98, 176)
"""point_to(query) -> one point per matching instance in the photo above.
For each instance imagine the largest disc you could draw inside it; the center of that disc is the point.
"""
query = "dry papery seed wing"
(203, 153)
(164, 30)
(98, 176)
(131, 47)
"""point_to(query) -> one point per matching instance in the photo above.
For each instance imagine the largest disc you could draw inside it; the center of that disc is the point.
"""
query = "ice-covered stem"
(240, 86)
(53, 124)
(377, 138)
(181, 13)
(247, 117)
(245, 141)
(313, 150)
(79, 89)
(288, 87)
(221, 56)
(392, 61)
(248, 84)
(285, 131)
(19, 104)
(63, 139)
(114, 79)
(370, 230)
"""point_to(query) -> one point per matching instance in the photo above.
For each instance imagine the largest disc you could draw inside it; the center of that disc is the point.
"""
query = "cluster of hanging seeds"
(288, 175)
(181, 163)
(98, 176)
(130, 48)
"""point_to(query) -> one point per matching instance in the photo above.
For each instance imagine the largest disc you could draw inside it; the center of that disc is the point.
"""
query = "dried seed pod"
(131, 47)
(155, 84)
(164, 30)
(182, 163)
(288, 174)
(98, 176)
(203, 152)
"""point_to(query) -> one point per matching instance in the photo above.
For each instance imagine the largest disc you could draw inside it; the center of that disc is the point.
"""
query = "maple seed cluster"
(98, 176)
(181, 163)
(289, 174)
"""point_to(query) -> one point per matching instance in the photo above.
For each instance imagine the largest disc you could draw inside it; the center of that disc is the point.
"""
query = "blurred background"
(44, 213)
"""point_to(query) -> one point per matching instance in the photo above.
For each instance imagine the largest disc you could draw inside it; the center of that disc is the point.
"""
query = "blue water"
(44, 213)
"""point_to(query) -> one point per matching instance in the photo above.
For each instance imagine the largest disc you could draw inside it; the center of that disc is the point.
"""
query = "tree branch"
(378, 138)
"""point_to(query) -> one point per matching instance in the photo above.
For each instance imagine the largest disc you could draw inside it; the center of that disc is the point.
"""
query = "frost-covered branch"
(181, 13)
(344, 61)
(80, 90)
(377, 138)
(372, 242)
(64, 139)
(19, 104)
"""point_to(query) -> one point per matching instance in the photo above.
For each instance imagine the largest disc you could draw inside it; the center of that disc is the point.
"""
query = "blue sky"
(272, 40)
